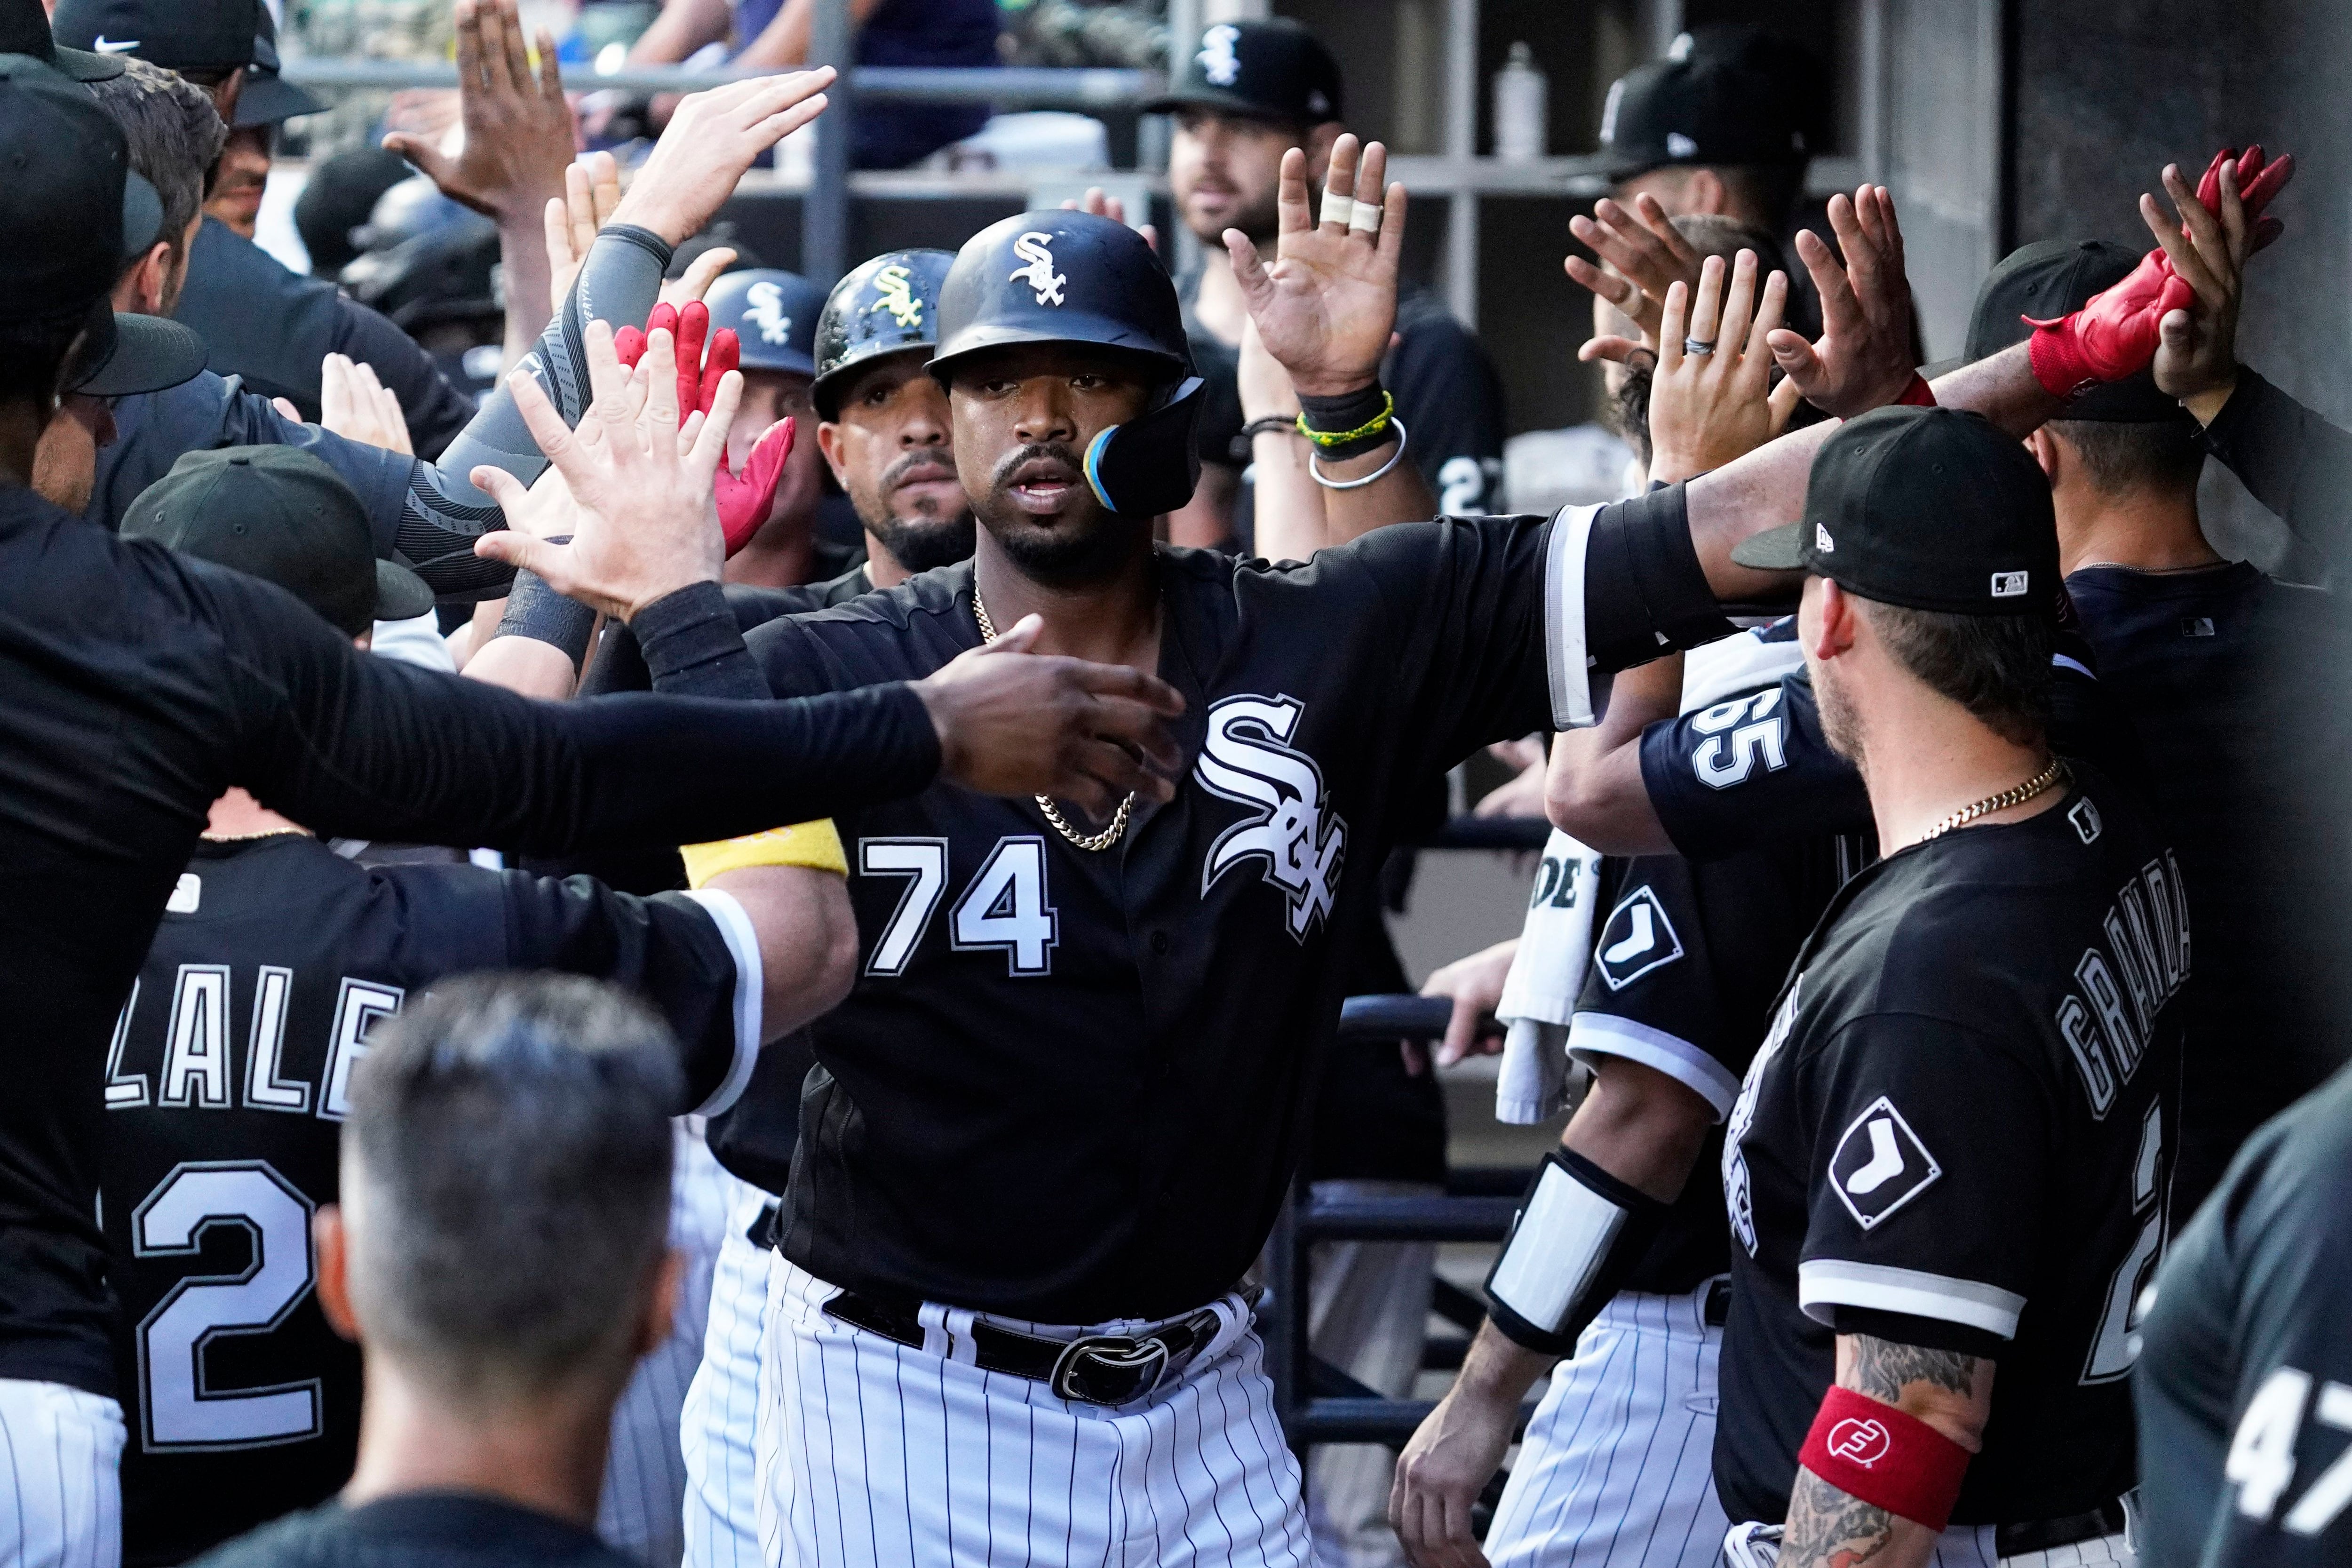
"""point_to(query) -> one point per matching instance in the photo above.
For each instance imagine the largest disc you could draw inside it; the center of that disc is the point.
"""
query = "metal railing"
(1004, 87)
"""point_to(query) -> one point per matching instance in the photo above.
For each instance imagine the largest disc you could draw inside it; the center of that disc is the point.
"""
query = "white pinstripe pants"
(723, 1406)
(645, 1471)
(1962, 1546)
(874, 1454)
(1617, 1469)
(60, 1477)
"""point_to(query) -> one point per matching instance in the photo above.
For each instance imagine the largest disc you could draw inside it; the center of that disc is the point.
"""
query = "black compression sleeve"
(445, 513)
(537, 611)
(1645, 591)
(693, 648)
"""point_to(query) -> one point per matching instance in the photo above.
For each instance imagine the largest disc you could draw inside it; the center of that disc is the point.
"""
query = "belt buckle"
(1145, 1358)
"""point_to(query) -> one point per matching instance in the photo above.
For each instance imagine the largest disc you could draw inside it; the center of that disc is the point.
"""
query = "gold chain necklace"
(2015, 795)
(1093, 842)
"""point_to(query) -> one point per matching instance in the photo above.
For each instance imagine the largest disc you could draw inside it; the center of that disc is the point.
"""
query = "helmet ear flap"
(1152, 463)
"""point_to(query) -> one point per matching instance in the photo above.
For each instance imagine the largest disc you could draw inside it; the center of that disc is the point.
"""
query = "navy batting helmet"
(774, 316)
(1068, 276)
(888, 306)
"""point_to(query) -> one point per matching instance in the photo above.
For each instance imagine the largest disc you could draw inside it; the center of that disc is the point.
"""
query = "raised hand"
(518, 127)
(642, 521)
(1011, 722)
(1645, 257)
(592, 189)
(1326, 305)
(1102, 204)
(1864, 358)
(745, 499)
(357, 406)
(1706, 409)
(710, 142)
(2206, 245)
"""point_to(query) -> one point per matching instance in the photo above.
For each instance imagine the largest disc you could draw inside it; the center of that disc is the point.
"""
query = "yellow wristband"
(811, 843)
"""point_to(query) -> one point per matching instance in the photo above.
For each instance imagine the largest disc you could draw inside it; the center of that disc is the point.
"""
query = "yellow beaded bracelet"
(1372, 426)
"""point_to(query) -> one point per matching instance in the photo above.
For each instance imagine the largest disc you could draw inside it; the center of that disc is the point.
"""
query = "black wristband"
(1349, 411)
(537, 611)
(694, 647)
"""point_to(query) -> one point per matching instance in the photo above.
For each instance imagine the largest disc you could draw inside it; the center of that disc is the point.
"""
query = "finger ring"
(1695, 348)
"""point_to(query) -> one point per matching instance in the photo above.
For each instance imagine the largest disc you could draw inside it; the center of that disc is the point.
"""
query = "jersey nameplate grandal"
(1302, 840)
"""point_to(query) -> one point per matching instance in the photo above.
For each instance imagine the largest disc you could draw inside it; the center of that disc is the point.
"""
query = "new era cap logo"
(2007, 585)
(1823, 541)
(106, 45)
(1880, 1165)
(1680, 146)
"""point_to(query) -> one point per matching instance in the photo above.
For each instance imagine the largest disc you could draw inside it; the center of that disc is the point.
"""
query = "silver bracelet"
(1315, 469)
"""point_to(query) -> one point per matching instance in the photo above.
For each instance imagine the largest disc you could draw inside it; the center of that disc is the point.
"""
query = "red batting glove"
(2258, 181)
(743, 499)
(2112, 336)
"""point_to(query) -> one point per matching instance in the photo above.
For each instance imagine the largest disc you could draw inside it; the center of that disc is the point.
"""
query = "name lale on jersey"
(2119, 989)
(197, 1066)
(1301, 840)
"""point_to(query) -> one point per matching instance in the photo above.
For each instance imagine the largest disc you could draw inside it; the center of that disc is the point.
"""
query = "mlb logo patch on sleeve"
(1637, 938)
(1880, 1165)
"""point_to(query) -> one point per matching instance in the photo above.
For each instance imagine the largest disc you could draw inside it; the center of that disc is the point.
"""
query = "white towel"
(1546, 974)
(1556, 940)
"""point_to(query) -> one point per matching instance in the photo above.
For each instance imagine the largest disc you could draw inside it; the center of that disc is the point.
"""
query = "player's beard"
(927, 537)
(1841, 725)
(1085, 544)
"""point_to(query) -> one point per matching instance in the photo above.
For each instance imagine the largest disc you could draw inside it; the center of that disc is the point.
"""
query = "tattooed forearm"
(1827, 1528)
(1881, 1369)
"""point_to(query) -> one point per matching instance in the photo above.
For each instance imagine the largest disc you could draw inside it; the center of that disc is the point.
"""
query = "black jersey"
(1687, 958)
(225, 1087)
(1734, 776)
(2214, 669)
(420, 1530)
(2244, 1385)
(1073, 1087)
(137, 685)
(1958, 1134)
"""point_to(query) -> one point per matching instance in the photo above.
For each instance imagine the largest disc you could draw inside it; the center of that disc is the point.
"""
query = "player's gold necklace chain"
(2015, 795)
(1089, 841)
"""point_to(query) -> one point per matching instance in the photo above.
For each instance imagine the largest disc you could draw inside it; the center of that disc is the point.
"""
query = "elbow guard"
(1578, 1233)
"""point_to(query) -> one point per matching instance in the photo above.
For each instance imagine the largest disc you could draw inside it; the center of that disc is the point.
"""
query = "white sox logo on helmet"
(1034, 247)
(1218, 63)
(1303, 842)
(894, 290)
(763, 307)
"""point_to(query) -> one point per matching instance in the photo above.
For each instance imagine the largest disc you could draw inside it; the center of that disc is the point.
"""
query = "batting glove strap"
(1872, 1451)
(1578, 1235)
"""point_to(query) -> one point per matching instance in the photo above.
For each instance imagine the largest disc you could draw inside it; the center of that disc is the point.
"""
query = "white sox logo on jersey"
(763, 306)
(1737, 1196)
(1244, 759)
(1217, 60)
(1034, 247)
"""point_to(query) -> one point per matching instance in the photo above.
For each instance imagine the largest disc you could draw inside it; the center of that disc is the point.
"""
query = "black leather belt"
(2044, 1534)
(1109, 1370)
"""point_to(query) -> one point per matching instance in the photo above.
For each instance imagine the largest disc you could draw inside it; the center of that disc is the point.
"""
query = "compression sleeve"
(355, 746)
(442, 514)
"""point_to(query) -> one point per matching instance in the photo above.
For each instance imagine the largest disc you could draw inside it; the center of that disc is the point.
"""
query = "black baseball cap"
(63, 162)
(2048, 280)
(1726, 97)
(178, 35)
(25, 30)
(267, 98)
(1274, 70)
(279, 514)
(1933, 509)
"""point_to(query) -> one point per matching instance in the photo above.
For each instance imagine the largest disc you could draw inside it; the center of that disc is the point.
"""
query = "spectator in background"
(266, 101)
(771, 35)
(500, 1255)
(1250, 91)
(259, 320)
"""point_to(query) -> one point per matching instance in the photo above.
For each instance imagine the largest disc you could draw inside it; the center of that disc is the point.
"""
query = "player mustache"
(918, 466)
(1000, 478)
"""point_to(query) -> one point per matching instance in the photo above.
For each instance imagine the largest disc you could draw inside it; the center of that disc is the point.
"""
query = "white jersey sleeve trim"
(1606, 1034)
(743, 947)
(1826, 1282)
(2067, 661)
(1571, 667)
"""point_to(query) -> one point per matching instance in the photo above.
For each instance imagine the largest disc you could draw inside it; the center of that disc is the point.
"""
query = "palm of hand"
(1330, 316)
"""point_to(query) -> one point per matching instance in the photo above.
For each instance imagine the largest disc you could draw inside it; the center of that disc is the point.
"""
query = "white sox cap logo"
(1218, 62)
(1034, 247)
(763, 305)
(1303, 842)
(1859, 1441)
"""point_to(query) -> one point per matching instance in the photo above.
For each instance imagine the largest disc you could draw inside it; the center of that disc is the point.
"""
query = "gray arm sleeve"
(444, 513)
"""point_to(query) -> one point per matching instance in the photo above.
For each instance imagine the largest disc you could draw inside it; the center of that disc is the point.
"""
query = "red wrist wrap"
(1918, 395)
(1875, 1452)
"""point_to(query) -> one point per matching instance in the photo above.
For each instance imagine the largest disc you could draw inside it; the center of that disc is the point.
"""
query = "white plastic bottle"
(1520, 108)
